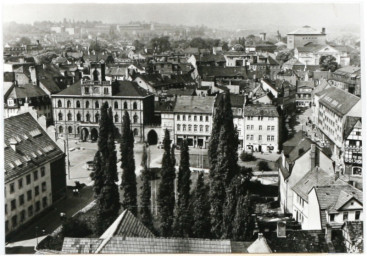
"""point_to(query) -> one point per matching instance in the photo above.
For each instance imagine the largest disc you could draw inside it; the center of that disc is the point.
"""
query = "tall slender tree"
(243, 223)
(145, 199)
(108, 203)
(182, 223)
(166, 197)
(128, 179)
(200, 208)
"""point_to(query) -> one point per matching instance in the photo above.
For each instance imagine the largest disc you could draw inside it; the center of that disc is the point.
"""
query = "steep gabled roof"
(33, 145)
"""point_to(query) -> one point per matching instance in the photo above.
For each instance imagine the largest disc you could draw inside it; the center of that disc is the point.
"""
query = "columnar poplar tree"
(201, 207)
(145, 200)
(243, 223)
(108, 203)
(128, 179)
(182, 223)
(166, 194)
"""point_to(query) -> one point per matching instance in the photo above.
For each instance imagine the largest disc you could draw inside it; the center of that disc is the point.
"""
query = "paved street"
(50, 221)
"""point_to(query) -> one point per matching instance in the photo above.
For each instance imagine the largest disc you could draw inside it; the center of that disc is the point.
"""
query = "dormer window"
(11, 102)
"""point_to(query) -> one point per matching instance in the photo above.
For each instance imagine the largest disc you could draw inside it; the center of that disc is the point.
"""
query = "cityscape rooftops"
(194, 104)
(261, 110)
(338, 100)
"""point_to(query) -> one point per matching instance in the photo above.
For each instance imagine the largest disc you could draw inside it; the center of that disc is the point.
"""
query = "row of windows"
(260, 137)
(21, 198)
(269, 127)
(260, 118)
(28, 180)
(357, 216)
(195, 118)
(22, 215)
(96, 104)
(96, 117)
(201, 128)
(70, 130)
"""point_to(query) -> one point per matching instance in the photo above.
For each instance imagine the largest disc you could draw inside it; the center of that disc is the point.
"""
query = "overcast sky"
(211, 14)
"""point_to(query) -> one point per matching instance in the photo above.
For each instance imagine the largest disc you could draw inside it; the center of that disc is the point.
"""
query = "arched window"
(78, 104)
(195, 127)
(60, 116)
(59, 104)
(116, 105)
(95, 75)
(189, 126)
(184, 127)
(70, 129)
(68, 104)
(97, 117)
(87, 104)
(61, 129)
(116, 118)
(87, 117)
(125, 105)
(96, 104)
(136, 132)
(178, 127)
(78, 117)
(69, 116)
(135, 106)
(106, 103)
(135, 119)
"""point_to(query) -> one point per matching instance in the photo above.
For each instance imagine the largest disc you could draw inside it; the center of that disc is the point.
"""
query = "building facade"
(35, 175)
(77, 108)
(305, 35)
(261, 128)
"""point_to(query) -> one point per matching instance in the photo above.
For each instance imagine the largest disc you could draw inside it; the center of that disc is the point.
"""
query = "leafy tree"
(145, 202)
(160, 44)
(166, 195)
(328, 63)
(225, 46)
(182, 223)
(284, 56)
(138, 45)
(73, 227)
(198, 42)
(97, 174)
(247, 157)
(263, 166)
(108, 203)
(24, 41)
(128, 179)
(201, 207)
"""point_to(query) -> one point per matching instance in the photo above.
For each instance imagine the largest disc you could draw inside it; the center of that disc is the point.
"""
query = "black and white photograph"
(206, 127)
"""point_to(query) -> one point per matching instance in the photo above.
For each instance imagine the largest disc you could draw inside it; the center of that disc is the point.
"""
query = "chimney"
(259, 235)
(313, 156)
(32, 71)
(323, 31)
(281, 229)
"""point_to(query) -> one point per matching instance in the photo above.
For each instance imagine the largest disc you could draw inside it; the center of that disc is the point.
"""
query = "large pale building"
(305, 35)
(77, 108)
(34, 166)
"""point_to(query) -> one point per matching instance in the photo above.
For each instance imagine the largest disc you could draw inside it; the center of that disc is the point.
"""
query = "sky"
(220, 15)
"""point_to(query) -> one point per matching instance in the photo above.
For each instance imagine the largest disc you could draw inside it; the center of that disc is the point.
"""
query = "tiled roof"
(33, 146)
(349, 70)
(349, 125)
(185, 92)
(311, 48)
(290, 144)
(315, 177)
(222, 71)
(165, 245)
(116, 71)
(305, 30)
(80, 245)
(302, 147)
(123, 88)
(194, 104)
(261, 110)
(333, 197)
(338, 100)
(166, 106)
(237, 101)
(154, 80)
(26, 91)
(130, 226)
